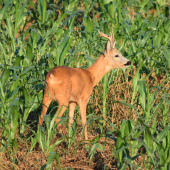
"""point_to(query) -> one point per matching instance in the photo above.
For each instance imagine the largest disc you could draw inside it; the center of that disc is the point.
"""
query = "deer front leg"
(83, 106)
(72, 107)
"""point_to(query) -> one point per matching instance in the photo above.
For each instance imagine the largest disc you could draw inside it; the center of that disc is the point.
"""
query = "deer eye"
(116, 56)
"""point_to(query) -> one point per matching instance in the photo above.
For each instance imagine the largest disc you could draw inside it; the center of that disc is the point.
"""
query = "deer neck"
(99, 69)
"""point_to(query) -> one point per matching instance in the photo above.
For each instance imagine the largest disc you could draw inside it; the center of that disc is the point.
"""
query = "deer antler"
(111, 38)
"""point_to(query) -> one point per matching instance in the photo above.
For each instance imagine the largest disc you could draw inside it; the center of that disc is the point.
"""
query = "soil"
(76, 157)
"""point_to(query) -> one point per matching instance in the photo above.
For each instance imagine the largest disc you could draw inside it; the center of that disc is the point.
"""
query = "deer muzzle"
(128, 63)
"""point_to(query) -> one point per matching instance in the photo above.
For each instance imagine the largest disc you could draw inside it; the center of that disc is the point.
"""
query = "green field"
(128, 113)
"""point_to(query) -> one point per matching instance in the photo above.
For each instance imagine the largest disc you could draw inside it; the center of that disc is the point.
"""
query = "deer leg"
(46, 103)
(62, 107)
(72, 107)
(83, 106)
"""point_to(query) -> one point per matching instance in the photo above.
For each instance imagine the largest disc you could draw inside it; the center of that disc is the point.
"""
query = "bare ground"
(76, 156)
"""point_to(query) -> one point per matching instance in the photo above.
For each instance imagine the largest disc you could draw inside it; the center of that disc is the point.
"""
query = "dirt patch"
(76, 156)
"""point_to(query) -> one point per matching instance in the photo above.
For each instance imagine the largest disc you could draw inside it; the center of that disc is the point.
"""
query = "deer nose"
(128, 63)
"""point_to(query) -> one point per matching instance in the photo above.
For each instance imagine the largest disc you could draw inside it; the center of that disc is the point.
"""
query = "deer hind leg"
(83, 106)
(62, 105)
(72, 107)
(46, 102)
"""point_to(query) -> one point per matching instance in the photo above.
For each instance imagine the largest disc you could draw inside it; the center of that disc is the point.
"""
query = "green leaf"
(150, 99)
(153, 130)
(14, 144)
(94, 148)
(88, 26)
(119, 9)
(138, 133)
(125, 128)
(17, 61)
(4, 53)
(16, 18)
(26, 96)
(90, 60)
(14, 120)
(40, 138)
(130, 105)
(54, 118)
(32, 4)
(101, 4)
(133, 45)
(51, 64)
(13, 95)
(33, 142)
(15, 84)
(20, 15)
(50, 159)
(162, 134)
(57, 158)
(60, 50)
(79, 62)
(29, 54)
(112, 9)
(166, 54)
(106, 27)
(28, 108)
(142, 96)
(135, 81)
(123, 167)
(4, 77)
(145, 38)
(16, 101)
(62, 57)
(4, 10)
(57, 143)
(119, 146)
(42, 9)
(33, 39)
(148, 138)
(167, 101)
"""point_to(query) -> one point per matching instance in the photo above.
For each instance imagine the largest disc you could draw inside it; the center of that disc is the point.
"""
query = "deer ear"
(114, 44)
(107, 47)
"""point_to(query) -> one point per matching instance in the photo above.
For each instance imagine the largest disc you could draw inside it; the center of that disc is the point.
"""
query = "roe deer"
(72, 86)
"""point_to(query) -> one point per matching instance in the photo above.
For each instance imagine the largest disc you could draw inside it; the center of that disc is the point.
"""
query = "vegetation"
(128, 113)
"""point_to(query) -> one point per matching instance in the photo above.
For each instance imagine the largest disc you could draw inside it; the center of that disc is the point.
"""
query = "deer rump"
(68, 84)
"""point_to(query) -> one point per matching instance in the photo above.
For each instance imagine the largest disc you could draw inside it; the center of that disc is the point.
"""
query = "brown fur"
(74, 86)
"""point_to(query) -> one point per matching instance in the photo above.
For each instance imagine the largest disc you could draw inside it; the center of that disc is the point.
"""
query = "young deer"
(72, 86)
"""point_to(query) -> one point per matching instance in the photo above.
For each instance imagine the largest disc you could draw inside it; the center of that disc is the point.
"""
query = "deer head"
(113, 56)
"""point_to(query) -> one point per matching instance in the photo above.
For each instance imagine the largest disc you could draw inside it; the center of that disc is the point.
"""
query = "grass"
(128, 113)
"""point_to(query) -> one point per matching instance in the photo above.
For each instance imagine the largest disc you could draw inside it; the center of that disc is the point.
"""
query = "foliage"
(36, 36)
